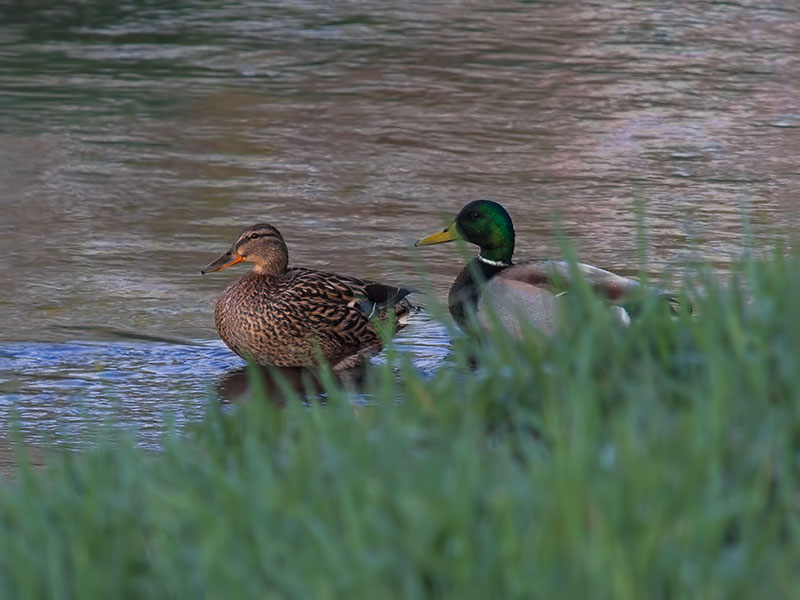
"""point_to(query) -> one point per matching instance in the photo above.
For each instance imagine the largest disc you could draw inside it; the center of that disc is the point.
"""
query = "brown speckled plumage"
(291, 317)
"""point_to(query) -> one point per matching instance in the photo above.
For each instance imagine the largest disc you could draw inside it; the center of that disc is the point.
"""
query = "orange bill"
(231, 257)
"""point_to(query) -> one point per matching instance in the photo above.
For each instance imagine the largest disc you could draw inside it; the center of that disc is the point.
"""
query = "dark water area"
(137, 138)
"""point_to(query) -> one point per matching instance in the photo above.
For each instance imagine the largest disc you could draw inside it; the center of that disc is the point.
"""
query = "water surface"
(137, 138)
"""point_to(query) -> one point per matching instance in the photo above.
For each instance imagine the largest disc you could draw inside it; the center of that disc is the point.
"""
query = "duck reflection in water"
(281, 384)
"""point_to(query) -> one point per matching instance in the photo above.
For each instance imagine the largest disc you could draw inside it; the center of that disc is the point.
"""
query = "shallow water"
(137, 138)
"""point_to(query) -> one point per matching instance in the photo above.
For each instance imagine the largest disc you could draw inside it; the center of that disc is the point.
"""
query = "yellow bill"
(448, 235)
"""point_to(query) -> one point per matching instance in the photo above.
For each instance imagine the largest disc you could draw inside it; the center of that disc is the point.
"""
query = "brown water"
(137, 138)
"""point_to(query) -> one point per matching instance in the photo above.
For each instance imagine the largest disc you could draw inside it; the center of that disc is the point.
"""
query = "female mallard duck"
(289, 317)
(527, 291)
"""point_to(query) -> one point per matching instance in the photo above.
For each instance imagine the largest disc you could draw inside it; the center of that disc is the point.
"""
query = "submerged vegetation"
(655, 461)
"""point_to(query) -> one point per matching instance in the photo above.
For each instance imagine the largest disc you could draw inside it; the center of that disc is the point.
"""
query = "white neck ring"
(493, 263)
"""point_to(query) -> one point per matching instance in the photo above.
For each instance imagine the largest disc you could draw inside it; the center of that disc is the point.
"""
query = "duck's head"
(484, 223)
(259, 244)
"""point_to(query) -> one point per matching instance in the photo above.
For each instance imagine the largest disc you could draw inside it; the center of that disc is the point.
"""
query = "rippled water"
(137, 138)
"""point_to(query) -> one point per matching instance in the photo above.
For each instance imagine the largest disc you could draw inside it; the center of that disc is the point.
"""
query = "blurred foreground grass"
(657, 461)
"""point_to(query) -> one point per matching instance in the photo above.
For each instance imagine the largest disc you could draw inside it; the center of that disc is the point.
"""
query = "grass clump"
(657, 461)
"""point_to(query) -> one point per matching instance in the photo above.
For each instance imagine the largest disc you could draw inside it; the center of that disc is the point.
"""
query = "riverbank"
(656, 461)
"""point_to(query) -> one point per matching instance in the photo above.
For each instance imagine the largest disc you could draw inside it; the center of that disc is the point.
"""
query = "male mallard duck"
(527, 291)
(288, 317)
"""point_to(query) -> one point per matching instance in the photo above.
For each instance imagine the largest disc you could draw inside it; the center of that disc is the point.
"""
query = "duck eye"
(474, 215)
(253, 236)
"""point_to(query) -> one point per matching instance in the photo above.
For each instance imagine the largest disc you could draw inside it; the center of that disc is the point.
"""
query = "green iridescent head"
(484, 223)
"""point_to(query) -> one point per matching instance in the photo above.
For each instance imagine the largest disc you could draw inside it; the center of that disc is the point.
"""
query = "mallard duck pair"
(289, 317)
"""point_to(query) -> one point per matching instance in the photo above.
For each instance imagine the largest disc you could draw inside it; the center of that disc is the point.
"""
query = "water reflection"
(53, 390)
(11, 453)
(283, 384)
